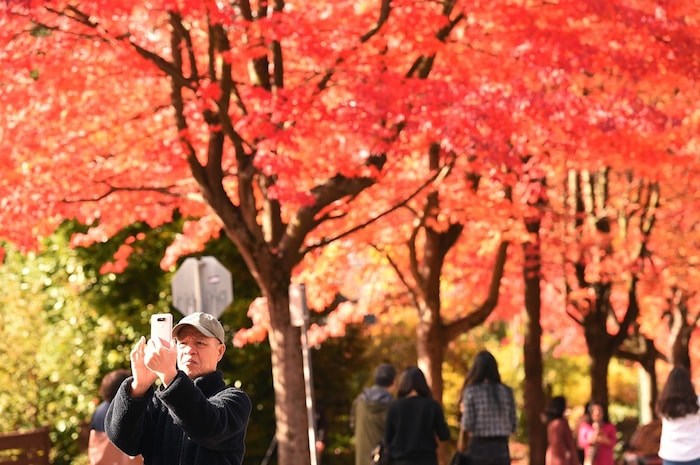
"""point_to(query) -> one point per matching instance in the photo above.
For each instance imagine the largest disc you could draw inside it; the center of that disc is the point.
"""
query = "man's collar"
(210, 383)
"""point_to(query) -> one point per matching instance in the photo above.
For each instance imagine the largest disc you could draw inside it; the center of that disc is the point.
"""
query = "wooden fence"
(25, 447)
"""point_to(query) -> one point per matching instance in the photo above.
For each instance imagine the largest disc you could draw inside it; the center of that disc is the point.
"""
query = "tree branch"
(358, 227)
(411, 290)
(479, 315)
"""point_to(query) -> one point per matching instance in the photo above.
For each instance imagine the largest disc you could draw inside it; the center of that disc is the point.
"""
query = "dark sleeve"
(207, 421)
(128, 419)
(441, 428)
(390, 427)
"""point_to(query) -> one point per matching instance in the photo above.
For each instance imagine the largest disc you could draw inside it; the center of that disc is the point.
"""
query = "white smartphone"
(162, 326)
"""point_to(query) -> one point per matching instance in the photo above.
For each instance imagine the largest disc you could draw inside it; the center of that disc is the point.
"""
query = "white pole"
(300, 317)
(310, 414)
(198, 286)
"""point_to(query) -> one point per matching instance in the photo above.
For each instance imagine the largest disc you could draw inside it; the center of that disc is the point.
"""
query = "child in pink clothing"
(598, 438)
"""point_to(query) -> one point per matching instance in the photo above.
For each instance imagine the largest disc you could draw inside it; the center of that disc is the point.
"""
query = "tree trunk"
(534, 396)
(291, 423)
(640, 349)
(431, 346)
(680, 347)
(600, 357)
(426, 264)
(427, 271)
(649, 365)
(599, 342)
(681, 329)
(588, 200)
(532, 352)
(288, 377)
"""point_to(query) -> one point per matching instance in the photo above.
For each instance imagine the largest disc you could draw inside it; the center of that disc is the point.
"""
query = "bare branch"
(479, 315)
(358, 227)
(411, 290)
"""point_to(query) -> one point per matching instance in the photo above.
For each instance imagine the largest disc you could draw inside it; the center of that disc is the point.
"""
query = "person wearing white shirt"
(679, 408)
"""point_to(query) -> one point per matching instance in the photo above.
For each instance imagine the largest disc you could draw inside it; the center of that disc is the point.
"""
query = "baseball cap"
(205, 323)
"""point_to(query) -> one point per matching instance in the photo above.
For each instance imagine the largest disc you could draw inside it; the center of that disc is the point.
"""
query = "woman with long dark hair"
(414, 421)
(488, 413)
(680, 420)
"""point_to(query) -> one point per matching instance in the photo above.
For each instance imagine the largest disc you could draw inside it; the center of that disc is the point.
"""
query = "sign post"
(299, 316)
(202, 285)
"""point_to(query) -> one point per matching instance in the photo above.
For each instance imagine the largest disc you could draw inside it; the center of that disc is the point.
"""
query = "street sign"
(298, 310)
(202, 285)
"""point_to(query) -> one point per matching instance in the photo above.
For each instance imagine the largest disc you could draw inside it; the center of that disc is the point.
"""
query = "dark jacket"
(367, 418)
(200, 422)
(412, 424)
(98, 418)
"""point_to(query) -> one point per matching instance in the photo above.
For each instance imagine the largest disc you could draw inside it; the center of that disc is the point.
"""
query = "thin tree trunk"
(431, 347)
(431, 354)
(532, 348)
(588, 201)
(600, 361)
(532, 353)
(681, 327)
(649, 366)
(640, 349)
(287, 373)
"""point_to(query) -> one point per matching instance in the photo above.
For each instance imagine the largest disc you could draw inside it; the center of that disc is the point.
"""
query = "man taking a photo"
(192, 418)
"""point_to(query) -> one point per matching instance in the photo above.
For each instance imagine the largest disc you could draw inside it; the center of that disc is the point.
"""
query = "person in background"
(598, 438)
(643, 446)
(192, 418)
(414, 421)
(678, 408)
(585, 418)
(321, 427)
(368, 412)
(561, 449)
(101, 451)
(488, 413)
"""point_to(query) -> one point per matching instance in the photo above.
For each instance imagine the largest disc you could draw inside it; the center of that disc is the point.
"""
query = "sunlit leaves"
(89, 118)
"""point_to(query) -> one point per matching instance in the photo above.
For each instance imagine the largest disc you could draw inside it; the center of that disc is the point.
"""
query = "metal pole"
(299, 313)
(310, 414)
(269, 451)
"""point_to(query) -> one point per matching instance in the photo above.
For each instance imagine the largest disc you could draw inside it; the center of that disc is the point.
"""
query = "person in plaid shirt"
(488, 413)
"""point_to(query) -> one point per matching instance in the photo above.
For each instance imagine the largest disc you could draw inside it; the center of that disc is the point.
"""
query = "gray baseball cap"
(204, 323)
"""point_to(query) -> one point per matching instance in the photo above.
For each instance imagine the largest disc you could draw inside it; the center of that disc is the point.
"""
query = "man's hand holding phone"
(155, 358)
(161, 354)
(161, 359)
(143, 376)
